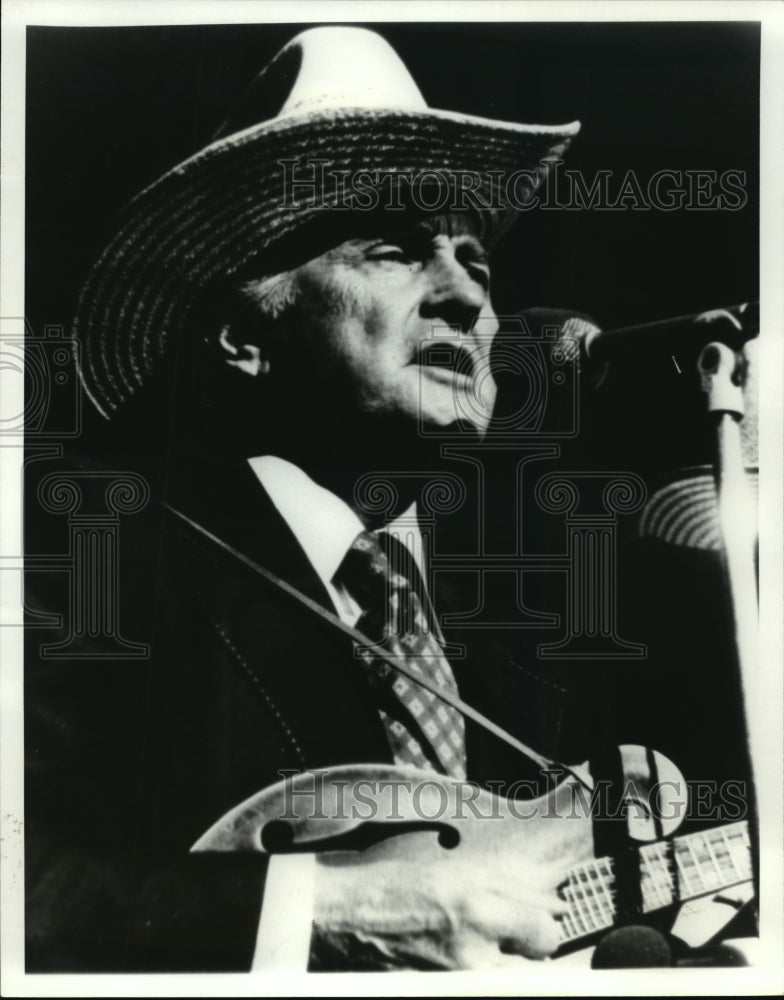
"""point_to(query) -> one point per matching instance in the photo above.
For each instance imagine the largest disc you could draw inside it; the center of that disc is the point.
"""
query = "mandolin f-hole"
(278, 836)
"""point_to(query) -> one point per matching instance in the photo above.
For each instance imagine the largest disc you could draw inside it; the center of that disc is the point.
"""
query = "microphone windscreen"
(633, 947)
(548, 324)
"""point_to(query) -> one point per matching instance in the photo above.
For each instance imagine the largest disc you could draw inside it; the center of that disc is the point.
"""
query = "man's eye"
(389, 251)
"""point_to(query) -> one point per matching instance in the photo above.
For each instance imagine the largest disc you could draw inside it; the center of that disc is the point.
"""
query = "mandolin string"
(468, 711)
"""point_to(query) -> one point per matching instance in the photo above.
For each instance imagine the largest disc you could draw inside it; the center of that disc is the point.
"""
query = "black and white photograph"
(391, 451)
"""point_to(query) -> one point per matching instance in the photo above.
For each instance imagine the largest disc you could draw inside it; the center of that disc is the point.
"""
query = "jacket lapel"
(300, 666)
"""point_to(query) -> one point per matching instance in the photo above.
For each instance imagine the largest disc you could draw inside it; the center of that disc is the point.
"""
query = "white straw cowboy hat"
(336, 94)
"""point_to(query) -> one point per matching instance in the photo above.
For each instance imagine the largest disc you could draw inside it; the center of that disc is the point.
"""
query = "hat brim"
(210, 215)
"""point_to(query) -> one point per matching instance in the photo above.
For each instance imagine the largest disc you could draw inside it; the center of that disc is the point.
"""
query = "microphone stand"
(720, 370)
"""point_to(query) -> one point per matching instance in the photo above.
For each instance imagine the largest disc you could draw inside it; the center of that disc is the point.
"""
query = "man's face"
(397, 325)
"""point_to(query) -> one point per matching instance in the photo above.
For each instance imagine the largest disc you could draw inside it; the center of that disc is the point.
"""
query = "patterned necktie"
(423, 731)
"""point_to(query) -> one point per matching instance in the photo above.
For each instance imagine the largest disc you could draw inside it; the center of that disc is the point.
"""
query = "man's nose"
(453, 296)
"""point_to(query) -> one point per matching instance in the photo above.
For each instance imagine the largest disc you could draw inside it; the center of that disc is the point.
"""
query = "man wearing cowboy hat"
(271, 309)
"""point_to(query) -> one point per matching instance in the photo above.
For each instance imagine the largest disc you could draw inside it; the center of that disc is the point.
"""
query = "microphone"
(632, 947)
(735, 325)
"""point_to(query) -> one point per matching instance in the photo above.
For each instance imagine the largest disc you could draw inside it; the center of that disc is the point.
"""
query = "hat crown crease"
(327, 69)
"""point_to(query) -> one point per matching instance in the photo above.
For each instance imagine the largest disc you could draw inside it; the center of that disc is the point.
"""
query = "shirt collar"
(323, 524)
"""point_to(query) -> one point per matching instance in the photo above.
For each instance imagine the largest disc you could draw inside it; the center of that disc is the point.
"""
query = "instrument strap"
(454, 701)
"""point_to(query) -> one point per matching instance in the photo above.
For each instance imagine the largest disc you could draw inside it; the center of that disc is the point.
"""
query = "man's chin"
(457, 427)
(462, 416)
(411, 441)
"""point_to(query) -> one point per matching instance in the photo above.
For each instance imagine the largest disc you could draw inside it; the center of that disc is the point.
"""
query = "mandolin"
(387, 812)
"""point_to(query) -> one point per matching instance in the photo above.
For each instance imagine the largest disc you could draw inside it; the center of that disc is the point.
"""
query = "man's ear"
(238, 353)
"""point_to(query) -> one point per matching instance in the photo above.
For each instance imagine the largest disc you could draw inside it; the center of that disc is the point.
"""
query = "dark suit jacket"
(130, 761)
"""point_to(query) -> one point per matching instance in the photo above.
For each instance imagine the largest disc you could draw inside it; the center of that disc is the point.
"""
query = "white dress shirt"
(325, 527)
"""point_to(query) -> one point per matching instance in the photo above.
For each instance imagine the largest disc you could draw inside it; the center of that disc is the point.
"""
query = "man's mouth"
(446, 359)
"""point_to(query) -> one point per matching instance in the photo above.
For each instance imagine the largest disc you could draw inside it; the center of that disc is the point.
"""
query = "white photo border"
(768, 975)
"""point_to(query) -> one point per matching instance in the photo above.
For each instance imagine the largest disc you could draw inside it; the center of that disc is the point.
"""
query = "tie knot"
(381, 574)
(367, 570)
